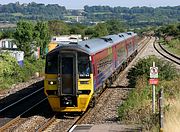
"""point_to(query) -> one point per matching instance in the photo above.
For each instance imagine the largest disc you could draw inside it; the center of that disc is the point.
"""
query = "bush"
(8, 69)
(12, 73)
(167, 70)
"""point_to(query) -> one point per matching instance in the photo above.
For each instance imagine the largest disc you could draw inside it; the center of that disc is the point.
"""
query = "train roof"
(95, 45)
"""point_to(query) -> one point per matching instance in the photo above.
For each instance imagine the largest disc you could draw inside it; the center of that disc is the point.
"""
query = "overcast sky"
(79, 4)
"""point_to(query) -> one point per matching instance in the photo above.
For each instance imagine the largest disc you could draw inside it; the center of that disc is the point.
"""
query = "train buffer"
(105, 128)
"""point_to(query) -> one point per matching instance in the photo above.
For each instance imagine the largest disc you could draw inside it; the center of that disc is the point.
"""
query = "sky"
(79, 4)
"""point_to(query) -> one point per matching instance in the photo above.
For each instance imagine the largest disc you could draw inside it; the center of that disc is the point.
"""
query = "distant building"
(18, 55)
(7, 44)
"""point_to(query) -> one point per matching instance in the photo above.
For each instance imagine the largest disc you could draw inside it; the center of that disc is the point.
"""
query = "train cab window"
(84, 68)
(52, 63)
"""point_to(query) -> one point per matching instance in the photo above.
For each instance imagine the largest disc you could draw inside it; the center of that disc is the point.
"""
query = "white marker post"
(154, 81)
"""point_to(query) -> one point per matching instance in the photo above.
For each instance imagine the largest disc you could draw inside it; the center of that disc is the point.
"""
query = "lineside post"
(161, 124)
(153, 99)
(154, 81)
(153, 95)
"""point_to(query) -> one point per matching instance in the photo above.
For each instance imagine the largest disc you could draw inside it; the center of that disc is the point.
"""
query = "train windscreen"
(52, 63)
(84, 67)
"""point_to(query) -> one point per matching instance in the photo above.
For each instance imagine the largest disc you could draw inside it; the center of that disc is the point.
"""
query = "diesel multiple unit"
(74, 72)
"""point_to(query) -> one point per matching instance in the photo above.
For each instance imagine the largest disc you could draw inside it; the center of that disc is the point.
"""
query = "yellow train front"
(68, 78)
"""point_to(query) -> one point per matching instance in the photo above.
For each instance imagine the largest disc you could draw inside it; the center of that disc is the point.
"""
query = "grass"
(172, 117)
(175, 51)
(173, 46)
(137, 109)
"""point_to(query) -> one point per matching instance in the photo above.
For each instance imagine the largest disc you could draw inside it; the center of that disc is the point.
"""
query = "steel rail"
(154, 45)
(46, 124)
(20, 100)
(177, 57)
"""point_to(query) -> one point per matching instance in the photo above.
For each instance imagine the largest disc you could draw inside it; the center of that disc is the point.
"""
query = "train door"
(68, 72)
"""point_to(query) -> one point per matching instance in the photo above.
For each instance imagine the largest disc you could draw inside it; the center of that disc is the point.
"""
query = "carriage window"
(104, 63)
(52, 63)
(84, 68)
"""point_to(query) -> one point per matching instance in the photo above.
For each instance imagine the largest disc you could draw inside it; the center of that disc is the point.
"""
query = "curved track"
(158, 47)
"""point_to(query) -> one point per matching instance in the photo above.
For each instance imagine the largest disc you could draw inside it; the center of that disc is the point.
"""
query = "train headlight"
(51, 82)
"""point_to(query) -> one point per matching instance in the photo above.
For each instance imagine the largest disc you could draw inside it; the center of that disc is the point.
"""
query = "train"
(75, 73)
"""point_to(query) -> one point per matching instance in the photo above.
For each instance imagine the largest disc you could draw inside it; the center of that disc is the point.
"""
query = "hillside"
(14, 11)
(135, 16)
(139, 16)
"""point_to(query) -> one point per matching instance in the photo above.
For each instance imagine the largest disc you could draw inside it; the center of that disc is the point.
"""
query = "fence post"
(161, 110)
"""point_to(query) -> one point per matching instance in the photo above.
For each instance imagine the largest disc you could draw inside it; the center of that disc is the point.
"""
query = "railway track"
(67, 124)
(173, 58)
(46, 124)
(14, 114)
(20, 100)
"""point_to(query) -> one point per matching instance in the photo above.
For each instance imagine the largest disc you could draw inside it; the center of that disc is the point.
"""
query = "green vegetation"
(137, 108)
(29, 36)
(100, 30)
(14, 12)
(57, 27)
(42, 36)
(11, 73)
(135, 16)
(170, 36)
(24, 37)
(174, 46)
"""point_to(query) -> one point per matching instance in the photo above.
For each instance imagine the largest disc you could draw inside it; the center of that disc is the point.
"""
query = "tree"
(171, 30)
(42, 36)
(115, 26)
(24, 37)
(89, 31)
(7, 34)
(57, 27)
(100, 30)
(77, 29)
